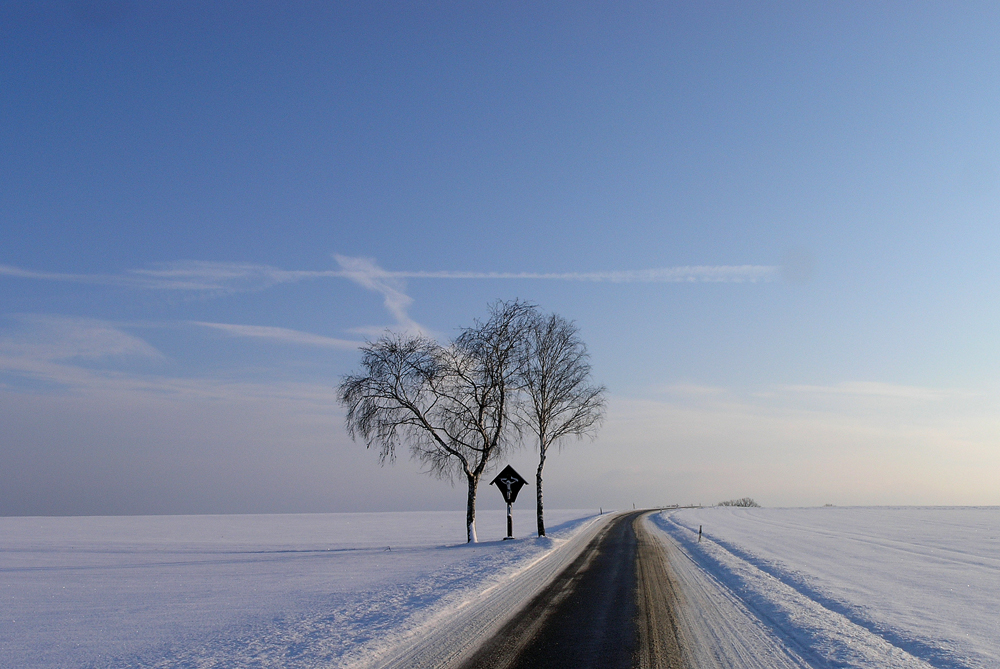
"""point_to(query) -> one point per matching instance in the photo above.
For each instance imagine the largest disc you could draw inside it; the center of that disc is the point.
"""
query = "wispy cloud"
(46, 337)
(20, 273)
(689, 390)
(217, 277)
(874, 394)
(193, 276)
(875, 389)
(684, 274)
(282, 335)
(106, 383)
(82, 356)
(364, 272)
(68, 351)
(225, 277)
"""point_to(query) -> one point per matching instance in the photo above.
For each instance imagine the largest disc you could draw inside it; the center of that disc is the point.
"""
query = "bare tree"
(452, 405)
(560, 400)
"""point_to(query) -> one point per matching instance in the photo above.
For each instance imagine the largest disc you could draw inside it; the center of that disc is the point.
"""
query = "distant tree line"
(742, 501)
(462, 406)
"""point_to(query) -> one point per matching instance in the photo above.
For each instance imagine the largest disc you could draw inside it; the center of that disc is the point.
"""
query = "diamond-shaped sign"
(509, 483)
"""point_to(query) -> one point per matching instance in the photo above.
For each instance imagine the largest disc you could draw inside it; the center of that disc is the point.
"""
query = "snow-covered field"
(767, 588)
(220, 591)
(854, 587)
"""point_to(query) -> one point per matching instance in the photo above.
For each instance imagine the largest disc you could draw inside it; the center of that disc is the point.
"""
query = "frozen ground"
(767, 588)
(254, 591)
(841, 587)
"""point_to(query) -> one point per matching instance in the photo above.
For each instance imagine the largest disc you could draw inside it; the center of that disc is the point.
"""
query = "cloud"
(215, 277)
(364, 272)
(283, 335)
(45, 337)
(218, 278)
(67, 352)
(84, 354)
(19, 273)
(225, 278)
(53, 368)
(689, 390)
(683, 274)
(875, 389)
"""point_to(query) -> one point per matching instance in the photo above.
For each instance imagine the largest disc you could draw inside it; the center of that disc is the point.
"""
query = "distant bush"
(742, 501)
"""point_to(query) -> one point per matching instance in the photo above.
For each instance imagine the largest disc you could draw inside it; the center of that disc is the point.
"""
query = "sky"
(776, 227)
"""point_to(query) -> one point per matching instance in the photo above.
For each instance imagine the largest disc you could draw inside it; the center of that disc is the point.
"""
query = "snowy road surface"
(624, 603)
(586, 617)
(777, 588)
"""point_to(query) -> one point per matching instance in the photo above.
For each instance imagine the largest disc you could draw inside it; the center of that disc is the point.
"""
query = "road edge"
(452, 637)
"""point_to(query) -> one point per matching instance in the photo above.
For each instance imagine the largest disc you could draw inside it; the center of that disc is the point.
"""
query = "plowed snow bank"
(858, 587)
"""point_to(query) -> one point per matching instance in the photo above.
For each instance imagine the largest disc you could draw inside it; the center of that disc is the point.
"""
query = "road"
(612, 607)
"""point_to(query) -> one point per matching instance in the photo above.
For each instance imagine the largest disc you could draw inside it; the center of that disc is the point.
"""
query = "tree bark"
(470, 511)
(538, 496)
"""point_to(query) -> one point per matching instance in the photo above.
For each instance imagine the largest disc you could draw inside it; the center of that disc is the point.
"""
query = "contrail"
(237, 277)
(685, 274)
(227, 278)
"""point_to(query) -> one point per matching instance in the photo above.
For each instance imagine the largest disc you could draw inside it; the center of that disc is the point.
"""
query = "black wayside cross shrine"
(509, 483)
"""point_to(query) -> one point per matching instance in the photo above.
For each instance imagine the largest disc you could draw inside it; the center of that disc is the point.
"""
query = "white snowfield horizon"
(799, 587)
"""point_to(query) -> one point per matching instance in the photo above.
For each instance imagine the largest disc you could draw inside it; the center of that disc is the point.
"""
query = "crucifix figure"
(509, 483)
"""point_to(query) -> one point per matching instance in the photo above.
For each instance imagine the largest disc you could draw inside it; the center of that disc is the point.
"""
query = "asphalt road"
(613, 607)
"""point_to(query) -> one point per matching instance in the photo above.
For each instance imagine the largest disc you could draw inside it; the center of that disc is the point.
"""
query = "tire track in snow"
(815, 635)
(715, 628)
(931, 654)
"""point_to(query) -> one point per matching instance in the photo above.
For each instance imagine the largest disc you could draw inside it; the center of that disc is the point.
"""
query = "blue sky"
(776, 226)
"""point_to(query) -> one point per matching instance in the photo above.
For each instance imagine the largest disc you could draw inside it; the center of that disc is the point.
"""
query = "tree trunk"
(538, 496)
(470, 510)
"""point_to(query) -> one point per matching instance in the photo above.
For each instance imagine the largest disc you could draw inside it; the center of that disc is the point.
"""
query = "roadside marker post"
(509, 483)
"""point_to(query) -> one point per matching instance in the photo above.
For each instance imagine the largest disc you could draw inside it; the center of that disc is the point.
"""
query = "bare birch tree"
(560, 399)
(452, 405)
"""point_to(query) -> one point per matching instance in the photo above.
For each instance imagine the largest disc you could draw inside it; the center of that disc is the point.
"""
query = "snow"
(849, 587)
(768, 588)
(308, 590)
